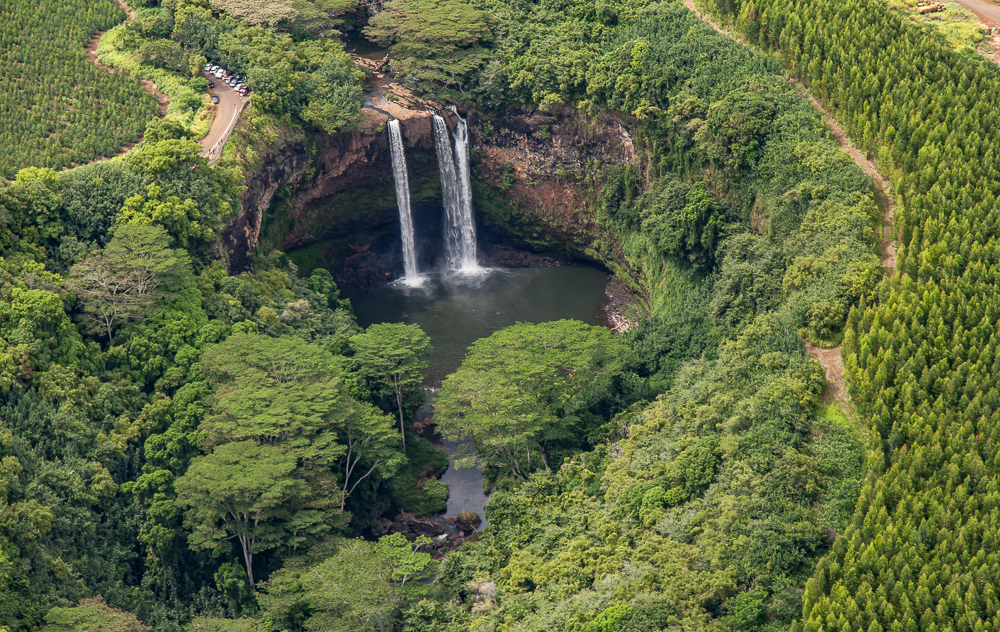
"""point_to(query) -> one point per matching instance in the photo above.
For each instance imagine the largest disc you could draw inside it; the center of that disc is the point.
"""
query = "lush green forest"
(920, 551)
(56, 107)
(186, 449)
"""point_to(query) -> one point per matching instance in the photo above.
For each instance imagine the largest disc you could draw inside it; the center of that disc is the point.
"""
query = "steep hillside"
(196, 434)
(920, 358)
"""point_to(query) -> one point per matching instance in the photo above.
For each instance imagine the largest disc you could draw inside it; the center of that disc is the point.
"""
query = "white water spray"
(403, 200)
(456, 243)
(461, 229)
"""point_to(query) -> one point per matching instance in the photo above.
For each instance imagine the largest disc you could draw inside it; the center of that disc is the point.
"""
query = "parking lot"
(227, 112)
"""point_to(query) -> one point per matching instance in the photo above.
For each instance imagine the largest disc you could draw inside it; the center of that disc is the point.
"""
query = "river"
(456, 310)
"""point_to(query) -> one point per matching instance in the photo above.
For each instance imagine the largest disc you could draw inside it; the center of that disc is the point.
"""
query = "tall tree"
(349, 590)
(370, 446)
(516, 386)
(282, 400)
(245, 492)
(120, 283)
(393, 356)
(405, 557)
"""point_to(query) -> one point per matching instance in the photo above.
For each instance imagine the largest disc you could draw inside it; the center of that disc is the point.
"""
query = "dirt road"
(986, 11)
(226, 116)
(830, 358)
(883, 194)
(883, 191)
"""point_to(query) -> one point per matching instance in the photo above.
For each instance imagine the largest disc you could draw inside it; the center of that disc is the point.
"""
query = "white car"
(208, 67)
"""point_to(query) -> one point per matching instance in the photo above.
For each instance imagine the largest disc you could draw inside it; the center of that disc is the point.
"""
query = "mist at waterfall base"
(457, 310)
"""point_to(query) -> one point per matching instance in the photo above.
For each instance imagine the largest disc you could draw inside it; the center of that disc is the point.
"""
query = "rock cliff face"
(533, 172)
(330, 201)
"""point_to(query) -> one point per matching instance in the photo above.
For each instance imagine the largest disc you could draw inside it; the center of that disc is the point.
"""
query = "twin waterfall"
(456, 191)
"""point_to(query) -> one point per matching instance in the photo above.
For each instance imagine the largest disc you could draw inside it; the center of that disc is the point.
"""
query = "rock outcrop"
(535, 187)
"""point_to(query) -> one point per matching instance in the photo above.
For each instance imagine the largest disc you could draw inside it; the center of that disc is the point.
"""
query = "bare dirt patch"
(161, 98)
(621, 310)
(836, 390)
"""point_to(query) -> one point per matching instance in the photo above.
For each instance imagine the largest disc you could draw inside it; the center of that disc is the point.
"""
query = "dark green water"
(458, 311)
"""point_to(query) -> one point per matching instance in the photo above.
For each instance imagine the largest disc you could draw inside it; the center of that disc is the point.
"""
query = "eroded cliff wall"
(535, 184)
(330, 200)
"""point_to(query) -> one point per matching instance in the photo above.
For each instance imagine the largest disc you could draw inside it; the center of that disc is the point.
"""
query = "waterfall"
(403, 200)
(460, 228)
(450, 192)
(465, 196)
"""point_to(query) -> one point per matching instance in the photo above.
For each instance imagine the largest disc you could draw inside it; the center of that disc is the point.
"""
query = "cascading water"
(462, 227)
(450, 192)
(403, 201)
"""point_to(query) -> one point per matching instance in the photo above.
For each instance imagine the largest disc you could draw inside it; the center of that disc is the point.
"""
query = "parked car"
(213, 68)
(208, 67)
(211, 84)
(215, 99)
(244, 91)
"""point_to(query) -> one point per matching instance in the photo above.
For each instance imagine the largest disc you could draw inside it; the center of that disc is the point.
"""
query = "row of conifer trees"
(921, 357)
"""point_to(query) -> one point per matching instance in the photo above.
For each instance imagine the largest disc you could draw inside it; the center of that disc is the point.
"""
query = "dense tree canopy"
(439, 41)
(392, 358)
(210, 451)
(527, 385)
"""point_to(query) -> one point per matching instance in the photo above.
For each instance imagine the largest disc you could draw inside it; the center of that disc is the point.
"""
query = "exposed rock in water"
(412, 527)
(468, 521)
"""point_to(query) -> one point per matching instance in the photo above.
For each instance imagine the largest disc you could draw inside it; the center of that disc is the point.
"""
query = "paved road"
(230, 105)
(985, 10)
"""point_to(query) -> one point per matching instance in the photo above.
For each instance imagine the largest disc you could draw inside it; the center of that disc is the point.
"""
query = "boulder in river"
(468, 520)
(412, 527)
